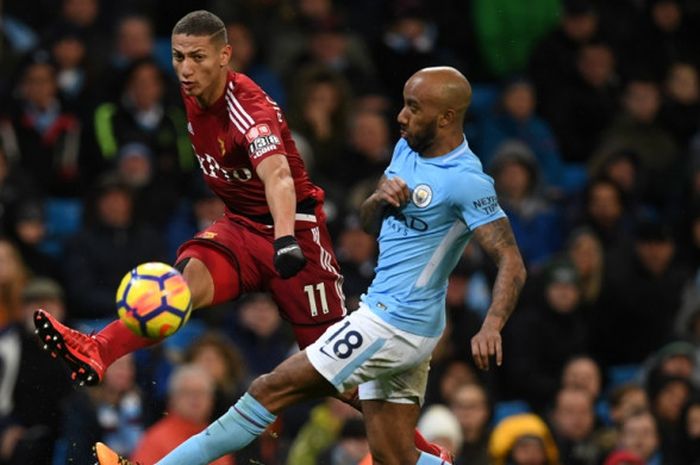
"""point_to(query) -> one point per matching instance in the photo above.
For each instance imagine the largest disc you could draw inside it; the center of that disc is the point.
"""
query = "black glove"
(289, 259)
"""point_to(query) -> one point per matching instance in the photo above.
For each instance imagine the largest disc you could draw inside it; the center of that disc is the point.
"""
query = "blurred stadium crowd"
(585, 112)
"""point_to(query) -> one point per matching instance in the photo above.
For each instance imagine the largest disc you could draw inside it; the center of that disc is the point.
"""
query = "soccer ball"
(153, 300)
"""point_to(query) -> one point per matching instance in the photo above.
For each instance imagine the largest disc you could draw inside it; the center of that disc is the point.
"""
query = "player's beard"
(422, 140)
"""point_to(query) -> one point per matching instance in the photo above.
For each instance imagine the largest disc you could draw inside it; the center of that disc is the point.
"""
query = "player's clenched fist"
(289, 259)
(393, 191)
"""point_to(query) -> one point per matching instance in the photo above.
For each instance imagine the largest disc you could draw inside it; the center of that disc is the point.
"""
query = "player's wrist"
(284, 241)
(493, 322)
(288, 259)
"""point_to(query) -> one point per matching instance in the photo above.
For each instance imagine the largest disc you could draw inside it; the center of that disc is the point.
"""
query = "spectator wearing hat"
(439, 425)
(677, 358)
(543, 337)
(110, 242)
(34, 386)
(536, 224)
(668, 395)
(523, 439)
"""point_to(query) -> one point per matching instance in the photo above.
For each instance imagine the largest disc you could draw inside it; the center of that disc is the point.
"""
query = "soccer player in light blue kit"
(432, 199)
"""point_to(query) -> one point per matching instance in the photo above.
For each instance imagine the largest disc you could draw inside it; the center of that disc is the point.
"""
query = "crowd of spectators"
(585, 112)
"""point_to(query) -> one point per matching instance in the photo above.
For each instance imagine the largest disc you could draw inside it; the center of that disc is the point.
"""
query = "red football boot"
(78, 350)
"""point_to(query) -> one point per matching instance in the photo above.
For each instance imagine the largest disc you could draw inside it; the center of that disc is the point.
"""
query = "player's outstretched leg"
(88, 356)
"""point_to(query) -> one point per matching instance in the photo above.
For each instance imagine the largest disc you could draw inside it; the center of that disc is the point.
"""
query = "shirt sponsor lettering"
(263, 142)
(487, 205)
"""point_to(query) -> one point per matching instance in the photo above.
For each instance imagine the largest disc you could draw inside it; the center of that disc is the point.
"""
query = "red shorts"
(239, 258)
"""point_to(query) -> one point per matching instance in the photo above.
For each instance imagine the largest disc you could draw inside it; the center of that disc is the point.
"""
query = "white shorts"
(385, 362)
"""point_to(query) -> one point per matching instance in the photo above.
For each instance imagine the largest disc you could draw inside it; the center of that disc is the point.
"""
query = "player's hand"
(485, 344)
(393, 191)
(289, 259)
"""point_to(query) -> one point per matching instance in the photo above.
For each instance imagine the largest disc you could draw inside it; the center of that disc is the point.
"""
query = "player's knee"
(198, 279)
(182, 264)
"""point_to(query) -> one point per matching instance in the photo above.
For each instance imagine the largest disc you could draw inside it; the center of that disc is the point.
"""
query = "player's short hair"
(202, 23)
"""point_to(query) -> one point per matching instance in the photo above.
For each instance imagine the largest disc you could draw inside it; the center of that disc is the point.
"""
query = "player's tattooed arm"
(389, 192)
(497, 240)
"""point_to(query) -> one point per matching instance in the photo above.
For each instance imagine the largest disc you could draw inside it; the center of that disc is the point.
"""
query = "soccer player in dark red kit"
(273, 236)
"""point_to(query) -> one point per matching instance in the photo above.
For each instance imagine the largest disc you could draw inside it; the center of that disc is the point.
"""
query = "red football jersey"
(232, 136)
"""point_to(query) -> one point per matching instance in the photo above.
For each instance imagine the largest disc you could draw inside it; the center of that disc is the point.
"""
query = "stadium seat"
(621, 374)
(507, 408)
(63, 219)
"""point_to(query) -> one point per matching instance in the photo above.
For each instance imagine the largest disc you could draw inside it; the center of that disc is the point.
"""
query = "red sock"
(116, 340)
(423, 445)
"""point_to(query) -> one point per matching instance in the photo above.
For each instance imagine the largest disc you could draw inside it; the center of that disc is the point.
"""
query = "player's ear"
(447, 118)
(225, 55)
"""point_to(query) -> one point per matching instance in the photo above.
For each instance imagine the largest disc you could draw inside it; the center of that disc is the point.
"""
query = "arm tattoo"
(497, 240)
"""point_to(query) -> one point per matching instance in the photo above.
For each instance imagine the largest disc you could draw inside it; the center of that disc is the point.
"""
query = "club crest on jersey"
(422, 195)
(257, 131)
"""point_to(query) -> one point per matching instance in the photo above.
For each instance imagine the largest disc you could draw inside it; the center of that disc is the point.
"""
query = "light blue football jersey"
(421, 243)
